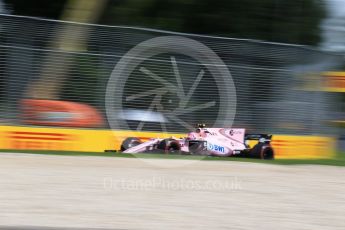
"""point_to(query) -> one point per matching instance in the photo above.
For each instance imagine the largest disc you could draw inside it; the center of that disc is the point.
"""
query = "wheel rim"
(268, 154)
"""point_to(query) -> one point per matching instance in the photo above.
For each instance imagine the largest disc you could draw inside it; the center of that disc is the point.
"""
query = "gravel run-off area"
(132, 193)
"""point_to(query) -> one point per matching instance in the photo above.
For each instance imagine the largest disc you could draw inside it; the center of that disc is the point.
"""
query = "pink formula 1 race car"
(221, 142)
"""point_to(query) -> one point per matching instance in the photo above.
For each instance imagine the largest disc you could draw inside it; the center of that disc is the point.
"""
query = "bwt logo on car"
(216, 147)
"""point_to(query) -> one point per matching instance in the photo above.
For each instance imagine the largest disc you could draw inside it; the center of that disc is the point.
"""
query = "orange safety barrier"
(59, 113)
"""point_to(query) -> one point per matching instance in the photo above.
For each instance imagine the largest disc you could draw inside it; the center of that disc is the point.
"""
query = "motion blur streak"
(48, 86)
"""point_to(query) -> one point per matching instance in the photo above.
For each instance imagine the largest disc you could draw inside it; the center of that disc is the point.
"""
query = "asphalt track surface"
(72, 193)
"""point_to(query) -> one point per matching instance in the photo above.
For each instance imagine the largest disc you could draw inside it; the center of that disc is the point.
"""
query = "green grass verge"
(338, 160)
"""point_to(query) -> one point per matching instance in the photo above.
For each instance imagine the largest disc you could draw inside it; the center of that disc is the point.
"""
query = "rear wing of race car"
(263, 138)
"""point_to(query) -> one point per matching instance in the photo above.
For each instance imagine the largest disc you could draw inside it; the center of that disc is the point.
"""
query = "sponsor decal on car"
(235, 132)
(215, 147)
(236, 151)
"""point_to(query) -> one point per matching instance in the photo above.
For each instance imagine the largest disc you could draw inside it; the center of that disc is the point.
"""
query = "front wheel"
(169, 146)
(130, 142)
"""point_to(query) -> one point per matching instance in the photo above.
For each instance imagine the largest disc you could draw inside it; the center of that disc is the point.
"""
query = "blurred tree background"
(285, 21)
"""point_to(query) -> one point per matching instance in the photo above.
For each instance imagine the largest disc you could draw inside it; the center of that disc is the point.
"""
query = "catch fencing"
(169, 91)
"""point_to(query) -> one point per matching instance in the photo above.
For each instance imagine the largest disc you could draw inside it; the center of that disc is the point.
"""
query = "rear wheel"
(262, 151)
(267, 153)
(130, 142)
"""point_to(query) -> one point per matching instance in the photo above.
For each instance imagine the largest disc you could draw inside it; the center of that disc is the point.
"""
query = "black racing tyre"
(262, 151)
(169, 146)
(267, 153)
(130, 142)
